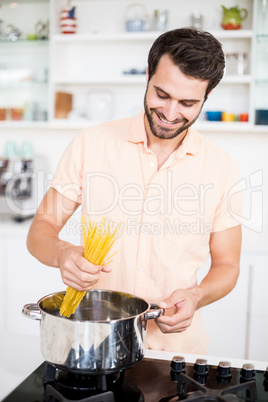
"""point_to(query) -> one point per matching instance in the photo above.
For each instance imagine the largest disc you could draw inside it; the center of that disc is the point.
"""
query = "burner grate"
(65, 386)
(202, 393)
(52, 395)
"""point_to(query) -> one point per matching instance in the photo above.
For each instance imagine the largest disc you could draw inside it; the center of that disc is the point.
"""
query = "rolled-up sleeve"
(229, 210)
(68, 176)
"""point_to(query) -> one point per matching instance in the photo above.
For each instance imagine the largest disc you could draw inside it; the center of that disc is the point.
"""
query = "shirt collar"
(190, 144)
(137, 131)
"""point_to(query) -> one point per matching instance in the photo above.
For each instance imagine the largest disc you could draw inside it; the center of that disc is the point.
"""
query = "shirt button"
(141, 269)
(151, 164)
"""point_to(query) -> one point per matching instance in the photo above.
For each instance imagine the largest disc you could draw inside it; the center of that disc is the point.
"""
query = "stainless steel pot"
(105, 334)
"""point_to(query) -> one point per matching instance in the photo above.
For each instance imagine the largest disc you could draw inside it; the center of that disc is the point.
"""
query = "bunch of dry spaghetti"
(98, 240)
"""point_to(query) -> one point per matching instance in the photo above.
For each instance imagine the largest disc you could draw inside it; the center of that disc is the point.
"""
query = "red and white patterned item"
(68, 23)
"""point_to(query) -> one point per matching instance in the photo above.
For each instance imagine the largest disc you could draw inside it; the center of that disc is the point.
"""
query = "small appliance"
(22, 183)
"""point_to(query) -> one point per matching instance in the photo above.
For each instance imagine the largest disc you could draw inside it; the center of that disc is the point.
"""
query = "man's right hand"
(76, 271)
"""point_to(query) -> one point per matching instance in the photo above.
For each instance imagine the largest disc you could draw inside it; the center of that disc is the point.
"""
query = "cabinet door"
(27, 281)
(226, 319)
(258, 316)
(24, 61)
(2, 282)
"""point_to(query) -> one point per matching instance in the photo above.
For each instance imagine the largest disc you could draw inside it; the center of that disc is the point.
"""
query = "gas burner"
(64, 386)
(52, 395)
(203, 393)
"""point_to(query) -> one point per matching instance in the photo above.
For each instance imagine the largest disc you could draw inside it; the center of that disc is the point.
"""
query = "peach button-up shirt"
(167, 214)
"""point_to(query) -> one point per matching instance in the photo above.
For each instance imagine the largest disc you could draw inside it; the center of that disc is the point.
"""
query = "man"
(170, 188)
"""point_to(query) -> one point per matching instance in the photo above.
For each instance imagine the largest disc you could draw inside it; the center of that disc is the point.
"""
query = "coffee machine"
(22, 185)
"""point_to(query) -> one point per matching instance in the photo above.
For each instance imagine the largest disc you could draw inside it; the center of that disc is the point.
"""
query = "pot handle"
(32, 311)
(154, 314)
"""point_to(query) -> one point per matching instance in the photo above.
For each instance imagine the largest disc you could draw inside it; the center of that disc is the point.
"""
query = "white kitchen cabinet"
(237, 324)
(27, 280)
(258, 317)
(226, 320)
(24, 279)
(2, 283)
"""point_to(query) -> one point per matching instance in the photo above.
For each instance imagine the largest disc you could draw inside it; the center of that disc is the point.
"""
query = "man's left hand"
(179, 310)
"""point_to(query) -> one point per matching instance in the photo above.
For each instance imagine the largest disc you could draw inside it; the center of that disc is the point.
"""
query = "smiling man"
(171, 189)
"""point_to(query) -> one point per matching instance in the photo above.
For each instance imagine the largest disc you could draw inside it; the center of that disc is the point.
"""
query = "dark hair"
(197, 53)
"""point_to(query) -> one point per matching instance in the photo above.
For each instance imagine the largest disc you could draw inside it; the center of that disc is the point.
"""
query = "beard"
(165, 132)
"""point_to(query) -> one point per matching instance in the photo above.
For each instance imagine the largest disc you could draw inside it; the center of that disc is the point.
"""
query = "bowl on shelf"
(213, 115)
(228, 117)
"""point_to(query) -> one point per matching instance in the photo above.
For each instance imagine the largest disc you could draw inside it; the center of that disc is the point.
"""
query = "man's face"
(173, 101)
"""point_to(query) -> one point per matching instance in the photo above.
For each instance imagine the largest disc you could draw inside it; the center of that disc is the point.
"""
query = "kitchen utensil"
(197, 19)
(13, 33)
(42, 29)
(3, 113)
(63, 104)
(136, 17)
(160, 20)
(105, 334)
(236, 63)
(233, 17)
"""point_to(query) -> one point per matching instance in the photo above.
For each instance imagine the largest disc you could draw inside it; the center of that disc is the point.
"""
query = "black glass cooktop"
(153, 380)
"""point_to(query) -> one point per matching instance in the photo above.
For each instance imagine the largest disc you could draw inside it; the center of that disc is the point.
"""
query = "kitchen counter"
(20, 355)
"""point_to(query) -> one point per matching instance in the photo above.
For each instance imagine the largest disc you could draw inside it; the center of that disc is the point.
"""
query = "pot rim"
(94, 321)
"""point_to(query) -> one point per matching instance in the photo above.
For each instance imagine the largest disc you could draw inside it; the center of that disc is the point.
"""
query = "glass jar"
(236, 63)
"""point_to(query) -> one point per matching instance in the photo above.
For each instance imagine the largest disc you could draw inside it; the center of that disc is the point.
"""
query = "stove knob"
(178, 363)
(177, 366)
(201, 367)
(247, 372)
(224, 371)
(200, 371)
